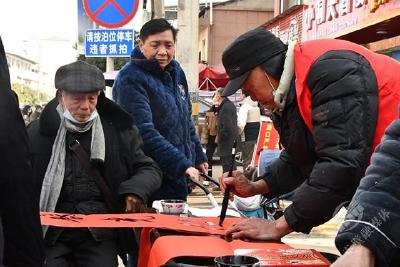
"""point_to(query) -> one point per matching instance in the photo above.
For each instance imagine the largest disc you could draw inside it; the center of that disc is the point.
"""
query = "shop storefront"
(373, 23)
(289, 25)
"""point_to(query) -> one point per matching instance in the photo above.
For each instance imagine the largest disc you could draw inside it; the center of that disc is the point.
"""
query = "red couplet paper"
(166, 248)
(205, 225)
(169, 247)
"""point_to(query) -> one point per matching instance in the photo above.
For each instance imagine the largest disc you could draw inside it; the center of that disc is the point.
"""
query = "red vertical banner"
(268, 138)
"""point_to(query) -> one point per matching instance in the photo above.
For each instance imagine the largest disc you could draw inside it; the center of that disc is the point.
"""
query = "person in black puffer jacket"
(227, 129)
(331, 101)
(371, 230)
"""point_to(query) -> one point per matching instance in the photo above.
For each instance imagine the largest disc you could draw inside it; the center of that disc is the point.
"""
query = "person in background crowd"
(249, 126)
(329, 120)
(36, 114)
(26, 113)
(152, 87)
(211, 125)
(370, 233)
(81, 141)
(227, 129)
(19, 211)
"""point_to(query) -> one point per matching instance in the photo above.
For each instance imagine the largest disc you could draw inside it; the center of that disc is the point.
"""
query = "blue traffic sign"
(109, 42)
(111, 13)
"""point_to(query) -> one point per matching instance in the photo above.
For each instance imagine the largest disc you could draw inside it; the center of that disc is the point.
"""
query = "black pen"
(228, 188)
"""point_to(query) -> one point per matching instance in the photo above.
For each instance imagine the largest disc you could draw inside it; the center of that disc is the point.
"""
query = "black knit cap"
(253, 48)
(79, 77)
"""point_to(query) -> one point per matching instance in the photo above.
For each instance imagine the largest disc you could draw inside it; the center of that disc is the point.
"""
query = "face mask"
(69, 116)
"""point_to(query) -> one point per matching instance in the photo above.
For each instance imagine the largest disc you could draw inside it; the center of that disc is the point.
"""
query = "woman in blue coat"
(153, 89)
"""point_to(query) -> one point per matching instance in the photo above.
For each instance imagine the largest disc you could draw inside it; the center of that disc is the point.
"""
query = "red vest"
(387, 73)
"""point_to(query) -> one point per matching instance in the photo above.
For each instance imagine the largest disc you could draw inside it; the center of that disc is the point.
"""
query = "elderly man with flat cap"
(331, 101)
(87, 159)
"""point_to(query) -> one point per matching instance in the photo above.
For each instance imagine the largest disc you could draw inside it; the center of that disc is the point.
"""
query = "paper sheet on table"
(214, 212)
(198, 212)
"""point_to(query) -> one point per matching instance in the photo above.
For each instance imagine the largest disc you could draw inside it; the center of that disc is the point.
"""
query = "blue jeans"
(132, 260)
(266, 156)
(258, 213)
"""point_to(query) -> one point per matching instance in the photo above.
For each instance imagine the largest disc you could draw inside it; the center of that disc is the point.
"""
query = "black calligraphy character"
(66, 217)
(118, 219)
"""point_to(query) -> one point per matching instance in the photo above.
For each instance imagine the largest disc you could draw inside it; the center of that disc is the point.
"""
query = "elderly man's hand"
(241, 186)
(356, 255)
(259, 229)
(133, 203)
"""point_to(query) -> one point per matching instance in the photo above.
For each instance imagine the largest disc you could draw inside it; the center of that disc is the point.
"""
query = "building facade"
(288, 23)
(372, 23)
(23, 71)
(221, 24)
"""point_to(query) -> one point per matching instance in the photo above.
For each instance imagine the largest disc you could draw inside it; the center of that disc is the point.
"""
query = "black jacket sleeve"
(145, 175)
(344, 113)
(373, 217)
(23, 242)
(282, 175)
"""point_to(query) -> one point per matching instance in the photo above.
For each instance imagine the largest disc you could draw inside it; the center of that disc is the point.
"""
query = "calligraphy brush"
(209, 178)
(228, 188)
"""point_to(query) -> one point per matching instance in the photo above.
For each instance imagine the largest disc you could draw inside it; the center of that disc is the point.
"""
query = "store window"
(286, 4)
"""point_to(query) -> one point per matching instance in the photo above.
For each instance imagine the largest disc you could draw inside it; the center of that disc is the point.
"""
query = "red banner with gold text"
(268, 138)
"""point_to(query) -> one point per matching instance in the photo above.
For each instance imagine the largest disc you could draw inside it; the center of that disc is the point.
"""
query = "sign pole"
(187, 52)
(109, 67)
(158, 9)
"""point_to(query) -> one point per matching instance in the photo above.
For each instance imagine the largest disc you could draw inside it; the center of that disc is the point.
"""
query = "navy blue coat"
(373, 217)
(159, 102)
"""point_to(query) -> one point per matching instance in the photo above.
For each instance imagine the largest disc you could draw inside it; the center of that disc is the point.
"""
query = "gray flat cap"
(79, 77)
